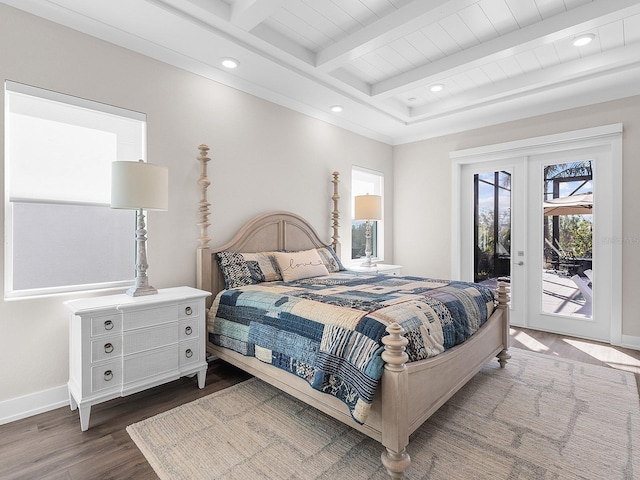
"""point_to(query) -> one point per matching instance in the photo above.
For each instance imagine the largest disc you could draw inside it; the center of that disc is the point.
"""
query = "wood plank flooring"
(51, 446)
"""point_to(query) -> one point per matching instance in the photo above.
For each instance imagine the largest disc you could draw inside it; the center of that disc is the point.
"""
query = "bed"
(407, 392)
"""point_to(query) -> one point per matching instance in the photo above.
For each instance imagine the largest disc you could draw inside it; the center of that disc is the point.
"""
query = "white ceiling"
(498, 60)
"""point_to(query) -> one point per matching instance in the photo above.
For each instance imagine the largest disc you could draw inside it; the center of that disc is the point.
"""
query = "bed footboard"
(412, 392)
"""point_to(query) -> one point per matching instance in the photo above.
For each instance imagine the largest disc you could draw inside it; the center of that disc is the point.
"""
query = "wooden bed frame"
(409, 393)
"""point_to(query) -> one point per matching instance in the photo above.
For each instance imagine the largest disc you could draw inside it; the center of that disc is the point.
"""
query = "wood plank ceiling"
(494, 60)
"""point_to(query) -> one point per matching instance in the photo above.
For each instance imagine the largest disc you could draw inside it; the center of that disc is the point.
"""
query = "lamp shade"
(137, 185)
(368, 207)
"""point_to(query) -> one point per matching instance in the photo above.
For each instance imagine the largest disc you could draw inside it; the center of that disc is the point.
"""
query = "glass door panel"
(492, 226)
(492, 229)
(567, 238)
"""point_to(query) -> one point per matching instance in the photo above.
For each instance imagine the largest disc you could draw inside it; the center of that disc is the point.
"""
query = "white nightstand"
(378, 268)
(119, 345)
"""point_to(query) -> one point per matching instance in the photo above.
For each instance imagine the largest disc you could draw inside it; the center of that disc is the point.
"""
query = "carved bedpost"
(335, 214)
(503, 304)
(203, 280)
(395, 392)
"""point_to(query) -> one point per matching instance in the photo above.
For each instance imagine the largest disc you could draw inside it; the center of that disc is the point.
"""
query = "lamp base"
(367, 261)
(139, 291)
(141, 287)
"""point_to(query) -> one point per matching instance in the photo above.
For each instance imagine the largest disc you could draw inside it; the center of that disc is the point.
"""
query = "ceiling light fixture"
(229, 63)
(583, 40)
(336, 108)
(438, 87)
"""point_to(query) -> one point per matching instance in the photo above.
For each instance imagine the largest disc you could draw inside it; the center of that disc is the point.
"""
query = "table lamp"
(140, 186)
(368, 208)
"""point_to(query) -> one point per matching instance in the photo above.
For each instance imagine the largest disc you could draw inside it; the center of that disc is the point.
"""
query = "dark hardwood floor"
(51, 446)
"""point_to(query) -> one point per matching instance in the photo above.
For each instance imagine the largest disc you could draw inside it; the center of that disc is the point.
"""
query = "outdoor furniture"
(585, 289)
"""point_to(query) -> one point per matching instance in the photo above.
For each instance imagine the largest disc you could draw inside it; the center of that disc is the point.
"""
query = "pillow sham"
(330, 259)
(298, 265)
(240, 269)
(266, 262)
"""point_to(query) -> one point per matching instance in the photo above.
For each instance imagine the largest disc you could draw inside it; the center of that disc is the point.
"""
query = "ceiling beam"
(619, 59)
(555, 28)
(248, 14)
(401, 22)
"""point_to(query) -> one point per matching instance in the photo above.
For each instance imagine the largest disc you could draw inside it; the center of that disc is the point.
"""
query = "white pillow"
(298, 265)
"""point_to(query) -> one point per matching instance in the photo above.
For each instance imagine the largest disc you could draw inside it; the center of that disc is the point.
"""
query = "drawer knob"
(188, 310)
(108, 375)
(108, 325)
(188, 330)
(108, 347)
(188, 353)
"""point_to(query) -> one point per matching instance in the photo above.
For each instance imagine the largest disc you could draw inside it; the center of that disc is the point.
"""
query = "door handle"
(520, 263)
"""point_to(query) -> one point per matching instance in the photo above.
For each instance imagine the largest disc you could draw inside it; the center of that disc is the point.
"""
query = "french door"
(493, 228)
(567, 274)
(546, 221)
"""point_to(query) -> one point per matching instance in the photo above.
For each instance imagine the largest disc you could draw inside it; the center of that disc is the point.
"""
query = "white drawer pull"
(188, 310)
(108, 347)
(108, 325)
(188, 353)
(188, 330)
(108, 375)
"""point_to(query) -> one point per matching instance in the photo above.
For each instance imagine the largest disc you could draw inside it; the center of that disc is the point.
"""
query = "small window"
(61, 234)
(363, 182)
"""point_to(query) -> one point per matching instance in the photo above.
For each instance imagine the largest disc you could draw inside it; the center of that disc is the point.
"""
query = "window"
(363, 182)
(61, 234)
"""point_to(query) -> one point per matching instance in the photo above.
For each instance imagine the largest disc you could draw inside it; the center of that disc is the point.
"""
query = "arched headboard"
(269, 231)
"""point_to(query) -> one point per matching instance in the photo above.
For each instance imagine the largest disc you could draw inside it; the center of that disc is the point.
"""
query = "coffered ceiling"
(495, 60)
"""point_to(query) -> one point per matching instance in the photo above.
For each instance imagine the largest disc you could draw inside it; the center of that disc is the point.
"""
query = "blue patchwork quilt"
(328, 329)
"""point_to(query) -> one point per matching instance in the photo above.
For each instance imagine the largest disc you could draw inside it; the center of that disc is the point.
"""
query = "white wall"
(422, 203)
(264, 157)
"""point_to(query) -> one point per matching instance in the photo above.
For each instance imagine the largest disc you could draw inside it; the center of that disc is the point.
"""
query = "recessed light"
(437, 87)
(583, 40)
(336, 108)
(229, 63)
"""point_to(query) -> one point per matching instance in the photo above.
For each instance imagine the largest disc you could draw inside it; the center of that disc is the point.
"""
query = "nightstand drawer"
(107, 375)
(149, 338)
(189, 309)
(147, 364)
(190, 328)
(105, 348)
(190, 352)
(149, 317)
(106, 324)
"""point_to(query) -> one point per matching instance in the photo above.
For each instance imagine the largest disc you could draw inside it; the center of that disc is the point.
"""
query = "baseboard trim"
(630, 342)
(33, 404)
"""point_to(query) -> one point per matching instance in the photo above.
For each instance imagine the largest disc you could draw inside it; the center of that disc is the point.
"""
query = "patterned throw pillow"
(240, 269)
(330, 259)
(234, 268)
(266, 263)
(297, 265)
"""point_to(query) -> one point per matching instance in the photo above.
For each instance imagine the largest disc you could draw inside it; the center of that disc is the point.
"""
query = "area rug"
(541, 418)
